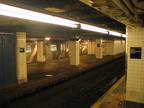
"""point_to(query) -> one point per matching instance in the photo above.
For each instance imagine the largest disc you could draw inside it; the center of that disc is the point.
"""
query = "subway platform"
(41, 75)
(114, 97)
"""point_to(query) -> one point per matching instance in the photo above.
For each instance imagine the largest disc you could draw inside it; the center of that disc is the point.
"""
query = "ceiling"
(90, 11)
(128, 12)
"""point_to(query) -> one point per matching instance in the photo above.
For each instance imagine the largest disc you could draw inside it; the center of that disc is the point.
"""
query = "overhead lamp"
(115, 33)
(93, 28)
(124, 35)
(47, 38)
(16, 12)
(11, 11)
(80, 40)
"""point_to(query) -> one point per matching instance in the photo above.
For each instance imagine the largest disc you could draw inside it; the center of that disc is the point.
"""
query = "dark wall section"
(130, 104)
(7, 60)
(1, 62)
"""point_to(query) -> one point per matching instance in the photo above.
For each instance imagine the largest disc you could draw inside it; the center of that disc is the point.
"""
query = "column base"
(99, 58)
(75, 66)
(22, 81)
(41, 61)
(130, 104)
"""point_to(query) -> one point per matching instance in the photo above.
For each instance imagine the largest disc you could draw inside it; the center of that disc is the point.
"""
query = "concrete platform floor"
(51, 72)
(114, 97)
(56, 68)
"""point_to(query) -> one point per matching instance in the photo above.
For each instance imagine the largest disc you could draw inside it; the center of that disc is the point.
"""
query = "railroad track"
(79, 92)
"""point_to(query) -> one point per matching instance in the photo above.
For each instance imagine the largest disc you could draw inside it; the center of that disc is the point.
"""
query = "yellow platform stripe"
(101, 100)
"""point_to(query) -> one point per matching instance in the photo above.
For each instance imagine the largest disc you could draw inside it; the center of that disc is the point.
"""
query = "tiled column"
(99, 48)
(89, 47)
(21, 68)
(111, 47)
(135, 68)
(47, 50)
(74, 52)
(123, 45)
(40, 51)
(93, 46)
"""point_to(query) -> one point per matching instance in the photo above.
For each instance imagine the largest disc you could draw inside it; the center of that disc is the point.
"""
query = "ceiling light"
(47, 38)
(80, 40)
(124, 35)
(16, 12)
(93, 28)
(11, 11)
(115, 33)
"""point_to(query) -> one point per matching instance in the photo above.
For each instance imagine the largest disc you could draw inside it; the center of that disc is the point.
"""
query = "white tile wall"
(115, 47)
(119, 46)
(135, 67)
(111, 47)
(106, 47)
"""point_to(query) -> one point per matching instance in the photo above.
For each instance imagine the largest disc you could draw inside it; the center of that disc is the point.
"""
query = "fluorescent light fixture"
(124, 35)
(79, 39)
(93, 28)
(47, 38)
(11, 11)
(100, 30)
(16, 12)
(115, 33)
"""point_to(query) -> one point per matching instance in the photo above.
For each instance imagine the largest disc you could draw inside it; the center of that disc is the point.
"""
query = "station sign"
(21, 50)
(135, 52)
(98, 45)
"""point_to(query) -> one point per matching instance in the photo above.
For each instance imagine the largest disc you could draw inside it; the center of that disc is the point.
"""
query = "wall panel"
(1, 62)
(9, 59)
